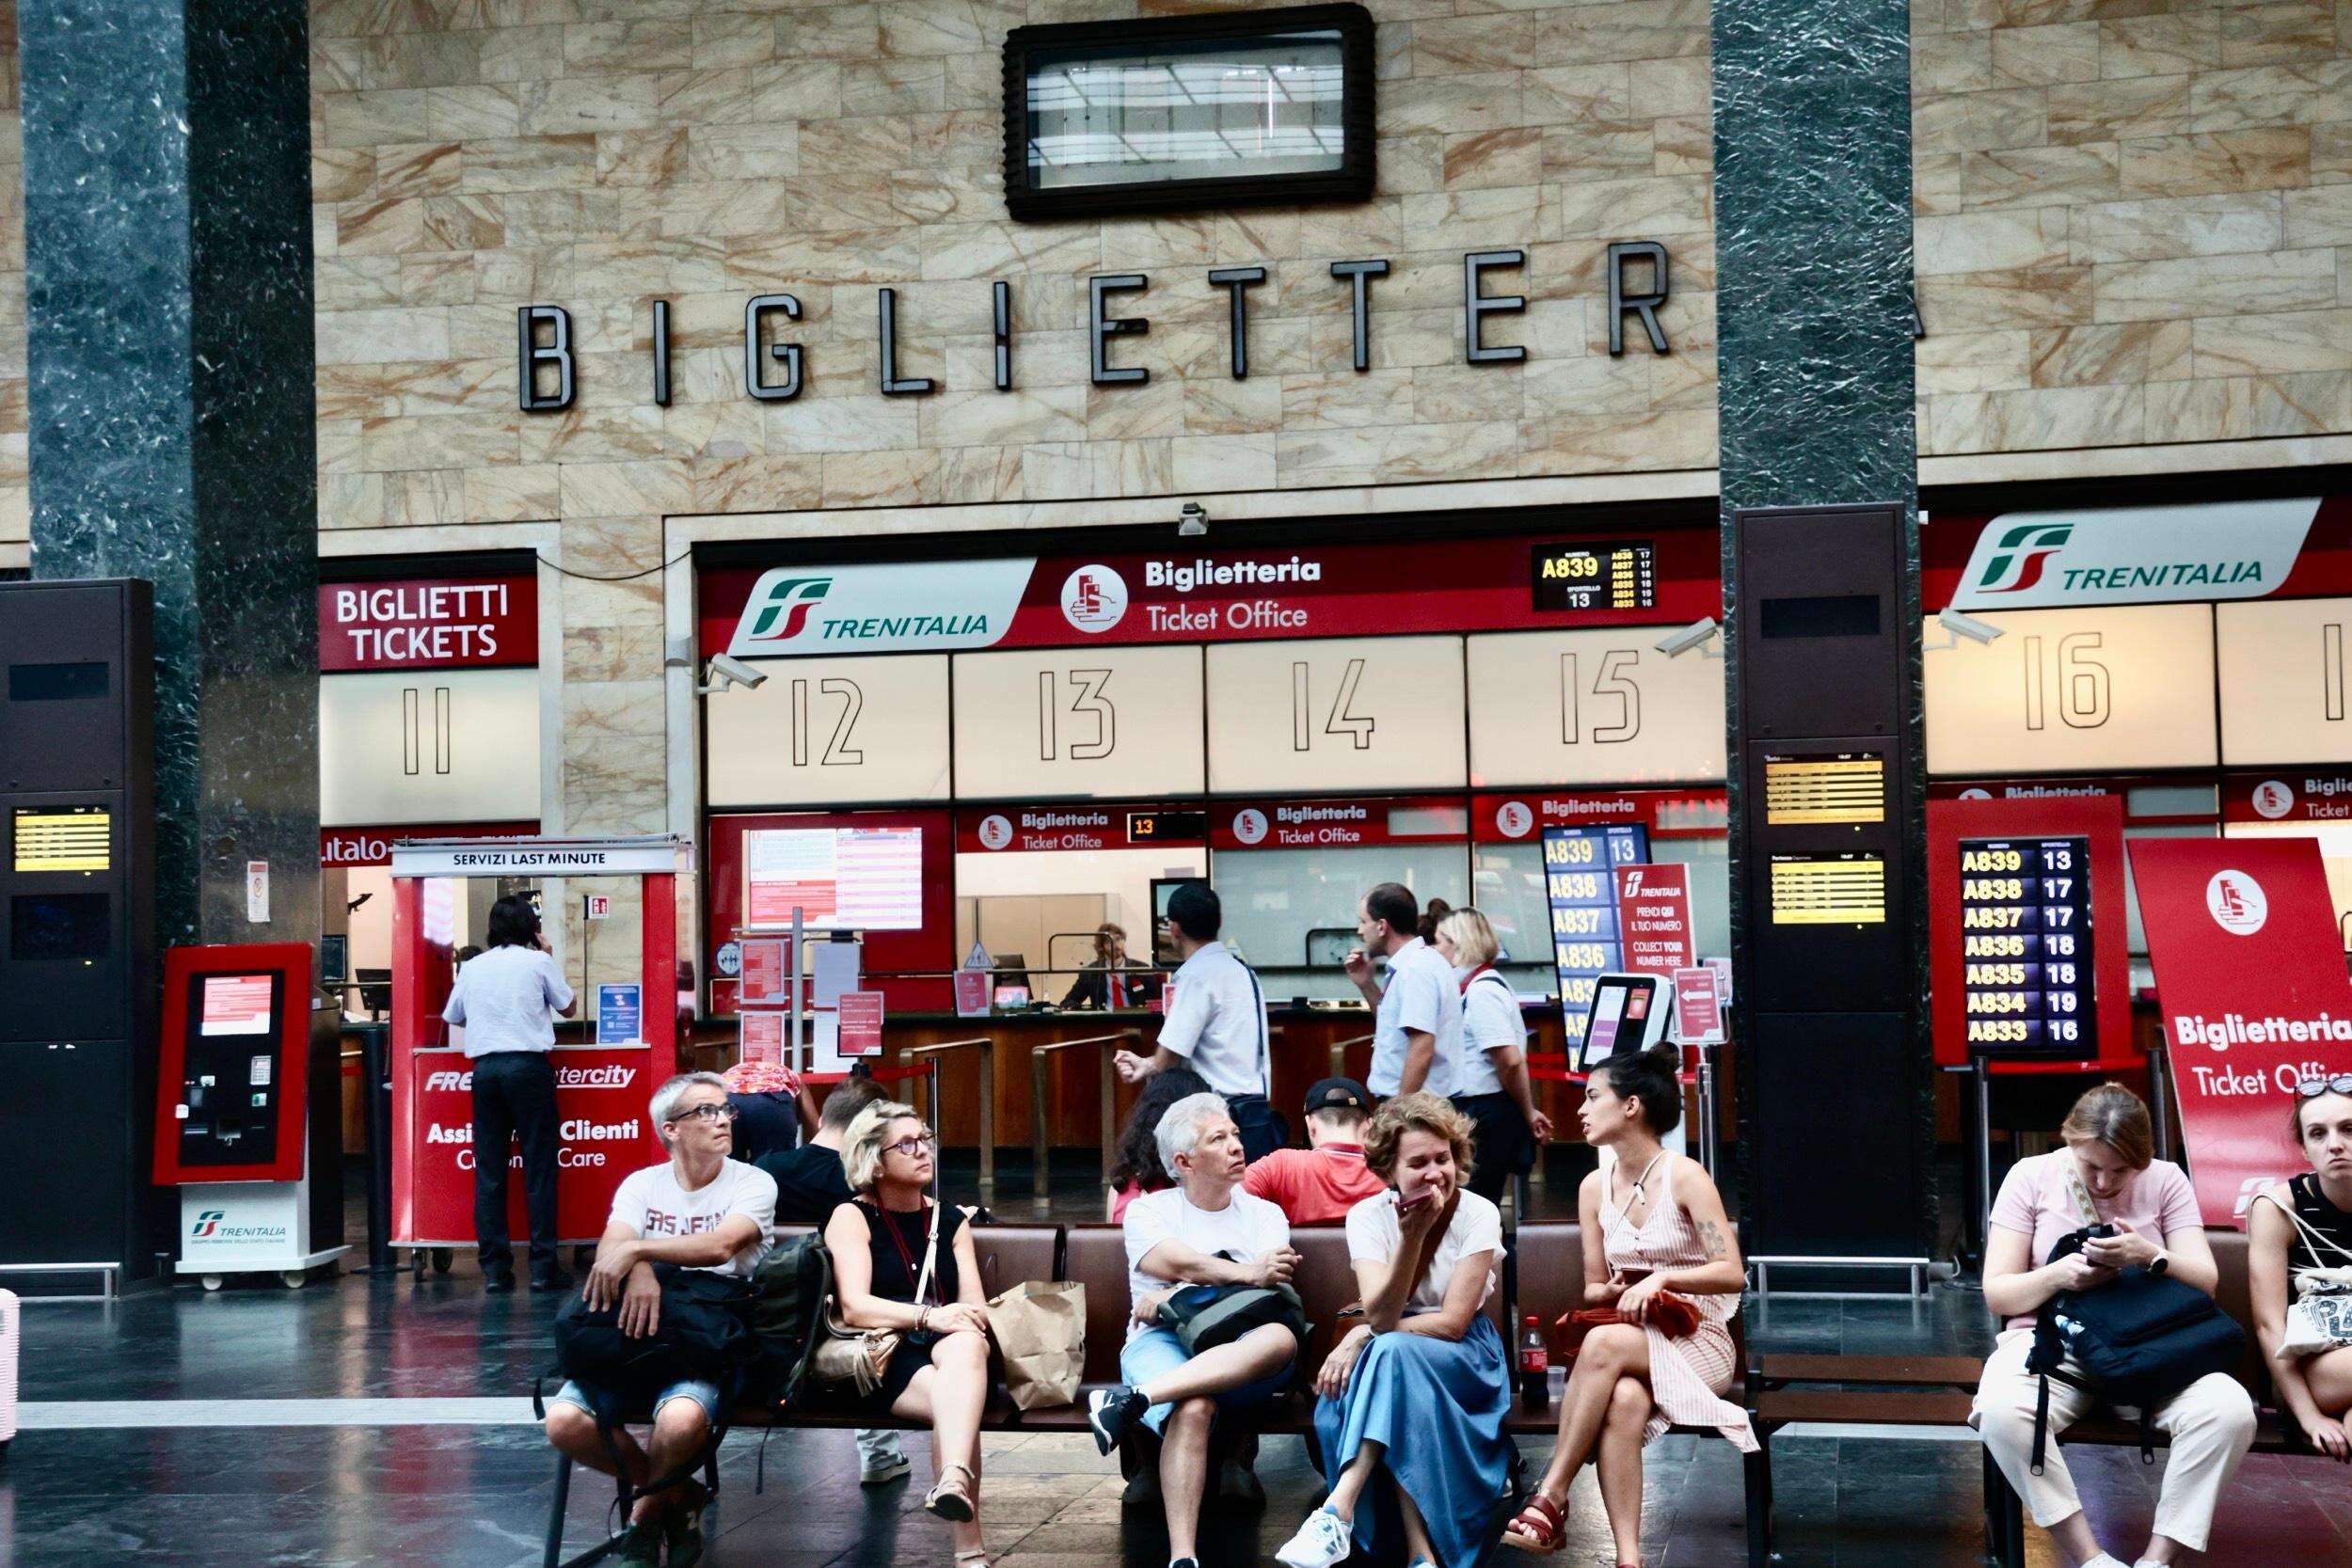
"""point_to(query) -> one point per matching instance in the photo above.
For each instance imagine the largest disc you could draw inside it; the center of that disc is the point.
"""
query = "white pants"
(876, 1444)
(2211, 1423)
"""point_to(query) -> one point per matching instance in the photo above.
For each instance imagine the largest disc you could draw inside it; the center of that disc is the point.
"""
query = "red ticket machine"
(601, 1087)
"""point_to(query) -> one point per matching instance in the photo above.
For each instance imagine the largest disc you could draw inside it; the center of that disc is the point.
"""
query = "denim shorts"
(1156, 1352)
(702, 1393)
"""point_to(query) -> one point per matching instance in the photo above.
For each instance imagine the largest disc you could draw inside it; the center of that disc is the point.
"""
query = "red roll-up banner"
(2250, 981)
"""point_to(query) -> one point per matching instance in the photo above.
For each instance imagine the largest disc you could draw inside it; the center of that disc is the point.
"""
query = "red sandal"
(1538, 1529)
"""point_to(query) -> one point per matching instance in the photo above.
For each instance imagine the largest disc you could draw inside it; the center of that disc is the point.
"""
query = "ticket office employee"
(1109, 981)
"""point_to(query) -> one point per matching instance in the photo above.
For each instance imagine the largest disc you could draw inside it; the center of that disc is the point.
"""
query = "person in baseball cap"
(1324, 1180)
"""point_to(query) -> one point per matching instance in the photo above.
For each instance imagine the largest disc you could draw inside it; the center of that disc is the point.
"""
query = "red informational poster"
(2250, 981)
(604, 1134)
(762, 1035)
(1698, 1006)
(861, 1013)
(972, 993)
(767, 969)
(1654, 918)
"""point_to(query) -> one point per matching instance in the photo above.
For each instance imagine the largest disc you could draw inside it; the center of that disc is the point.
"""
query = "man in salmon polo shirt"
(1324, 1180)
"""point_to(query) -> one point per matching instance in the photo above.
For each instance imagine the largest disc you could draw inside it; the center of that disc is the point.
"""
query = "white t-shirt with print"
(1373, 1237)
(653, 1204)
(1238, 1233)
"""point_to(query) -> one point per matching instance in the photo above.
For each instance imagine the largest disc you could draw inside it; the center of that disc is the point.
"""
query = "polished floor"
(370, 1421)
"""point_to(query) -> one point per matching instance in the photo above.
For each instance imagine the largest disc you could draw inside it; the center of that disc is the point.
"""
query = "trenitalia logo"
(1633, 882)
(206, 1222)
(2024, 551)
(782, 611)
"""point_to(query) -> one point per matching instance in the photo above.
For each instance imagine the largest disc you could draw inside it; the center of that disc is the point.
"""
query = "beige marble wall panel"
(2189, 161)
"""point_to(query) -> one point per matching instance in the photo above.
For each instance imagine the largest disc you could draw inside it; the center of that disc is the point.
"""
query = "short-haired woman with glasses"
(2301, 1246)
(903, 1261)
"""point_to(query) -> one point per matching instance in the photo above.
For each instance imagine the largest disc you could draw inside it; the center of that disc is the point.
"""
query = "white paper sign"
(257, 892)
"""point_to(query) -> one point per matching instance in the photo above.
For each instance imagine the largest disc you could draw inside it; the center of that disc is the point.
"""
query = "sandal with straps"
(950, 1499)
(1538, 1527)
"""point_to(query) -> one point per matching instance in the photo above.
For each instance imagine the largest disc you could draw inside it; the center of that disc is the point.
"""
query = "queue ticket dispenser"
(259, 1177)
(1629, 1014)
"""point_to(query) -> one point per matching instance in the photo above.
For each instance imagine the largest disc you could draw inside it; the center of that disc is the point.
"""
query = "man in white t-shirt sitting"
(1204, 1231)
(699, 1210)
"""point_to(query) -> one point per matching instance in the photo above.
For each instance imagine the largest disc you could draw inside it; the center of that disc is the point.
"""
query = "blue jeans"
(703, 1394)
(1157, 1351)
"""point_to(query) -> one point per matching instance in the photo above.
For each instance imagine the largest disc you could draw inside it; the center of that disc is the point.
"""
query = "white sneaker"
(1323, 1541)
(2104, 1561)
(881, 1469)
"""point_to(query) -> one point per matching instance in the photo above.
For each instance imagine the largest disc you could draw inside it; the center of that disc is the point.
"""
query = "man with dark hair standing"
(1215, 1021)
(506, 997)
(1417, 1018)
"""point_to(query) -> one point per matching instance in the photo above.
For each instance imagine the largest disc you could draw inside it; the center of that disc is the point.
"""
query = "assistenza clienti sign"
(2135, 555)
(1348, 590)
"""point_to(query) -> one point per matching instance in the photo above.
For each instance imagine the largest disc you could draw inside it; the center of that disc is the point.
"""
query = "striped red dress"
(1686, 1377)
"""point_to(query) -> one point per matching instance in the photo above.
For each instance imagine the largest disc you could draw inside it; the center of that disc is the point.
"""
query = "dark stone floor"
(382, 1493)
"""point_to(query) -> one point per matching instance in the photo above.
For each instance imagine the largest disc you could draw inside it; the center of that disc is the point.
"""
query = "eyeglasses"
(2311, 1089)
(922, 1143)
(717, 1112)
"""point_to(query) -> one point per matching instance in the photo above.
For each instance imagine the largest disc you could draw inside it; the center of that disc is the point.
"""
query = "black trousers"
(513, 1099)
(1261, 1127)
(1500, 1137)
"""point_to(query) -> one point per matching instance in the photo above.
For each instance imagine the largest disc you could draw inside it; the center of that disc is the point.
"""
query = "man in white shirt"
(1204, 1231)
(1215, 1021)
(506, 998)
(1417, 1017)
(699, 1210)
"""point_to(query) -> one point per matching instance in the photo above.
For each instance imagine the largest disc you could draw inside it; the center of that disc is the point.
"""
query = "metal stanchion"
(375, 1079)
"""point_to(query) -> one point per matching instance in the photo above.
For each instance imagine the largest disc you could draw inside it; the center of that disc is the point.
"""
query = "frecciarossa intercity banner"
(1494, 583)
(2250, 981)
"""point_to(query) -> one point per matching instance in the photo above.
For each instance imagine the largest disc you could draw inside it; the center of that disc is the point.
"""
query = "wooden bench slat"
(1957, 1372)
(1864, 1407)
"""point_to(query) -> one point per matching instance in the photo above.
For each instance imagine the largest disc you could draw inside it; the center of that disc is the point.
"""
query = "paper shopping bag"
(1041, 1328)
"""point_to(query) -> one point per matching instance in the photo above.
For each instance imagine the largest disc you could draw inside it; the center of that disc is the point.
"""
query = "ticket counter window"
(1292, 912)
(1045, 906)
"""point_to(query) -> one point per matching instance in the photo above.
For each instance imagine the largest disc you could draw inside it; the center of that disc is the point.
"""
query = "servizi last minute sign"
(543, 362)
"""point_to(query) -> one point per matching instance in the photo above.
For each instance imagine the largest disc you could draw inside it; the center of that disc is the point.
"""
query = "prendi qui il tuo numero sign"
(544, 364)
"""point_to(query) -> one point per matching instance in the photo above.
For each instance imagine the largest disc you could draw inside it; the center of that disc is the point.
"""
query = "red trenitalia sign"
(2287, 795)
(1654, 918)
(1349, 589)
(2250, 983)
(440, 624)
(1079, 827)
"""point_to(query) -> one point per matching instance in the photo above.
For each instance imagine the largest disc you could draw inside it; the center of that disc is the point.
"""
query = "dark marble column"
(169, 325)
(1813, 233)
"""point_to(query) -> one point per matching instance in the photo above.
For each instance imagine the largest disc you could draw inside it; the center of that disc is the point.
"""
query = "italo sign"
(2135, 555)
(775, 369)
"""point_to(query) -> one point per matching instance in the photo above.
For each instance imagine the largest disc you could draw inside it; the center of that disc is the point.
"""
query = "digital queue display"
(1619, 575)
(1581, 889)
(2024, 921)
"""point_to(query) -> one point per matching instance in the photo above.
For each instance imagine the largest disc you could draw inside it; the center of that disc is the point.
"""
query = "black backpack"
(790, 1289)
(2139, 1340)
(703, 1334)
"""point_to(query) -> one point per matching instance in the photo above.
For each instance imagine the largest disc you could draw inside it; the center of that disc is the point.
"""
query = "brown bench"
(1544, 1276)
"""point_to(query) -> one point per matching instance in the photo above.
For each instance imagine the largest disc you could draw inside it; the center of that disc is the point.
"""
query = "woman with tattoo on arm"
(1652, 1222)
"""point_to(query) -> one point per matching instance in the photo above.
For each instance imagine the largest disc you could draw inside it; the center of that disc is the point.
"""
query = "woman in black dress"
(2302, 1242)
(903, 1262)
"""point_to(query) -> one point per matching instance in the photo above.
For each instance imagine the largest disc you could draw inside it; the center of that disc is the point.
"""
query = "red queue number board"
(2027, 919)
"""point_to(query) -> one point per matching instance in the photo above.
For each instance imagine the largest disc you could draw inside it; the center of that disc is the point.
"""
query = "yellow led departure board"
(75, 838)
(1847, 788)
(1621, 575)
(1829, 889)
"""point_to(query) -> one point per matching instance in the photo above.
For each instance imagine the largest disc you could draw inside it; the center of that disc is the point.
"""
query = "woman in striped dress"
(1652, 1221)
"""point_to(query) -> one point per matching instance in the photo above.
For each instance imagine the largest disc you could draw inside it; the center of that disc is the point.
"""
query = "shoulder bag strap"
(1266, 1043)
(2312, 1235)
(930, 1256)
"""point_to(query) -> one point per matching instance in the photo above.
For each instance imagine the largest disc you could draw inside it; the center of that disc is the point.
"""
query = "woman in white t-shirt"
(1490, 1084)
(1413, 1399)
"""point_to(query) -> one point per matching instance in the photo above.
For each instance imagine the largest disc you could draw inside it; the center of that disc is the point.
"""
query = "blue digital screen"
(1581, 888)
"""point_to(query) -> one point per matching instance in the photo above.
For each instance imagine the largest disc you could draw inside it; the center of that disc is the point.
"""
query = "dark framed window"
(1223, 109)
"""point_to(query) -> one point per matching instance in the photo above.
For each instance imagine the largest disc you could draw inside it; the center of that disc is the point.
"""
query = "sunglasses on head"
(2311, 1089)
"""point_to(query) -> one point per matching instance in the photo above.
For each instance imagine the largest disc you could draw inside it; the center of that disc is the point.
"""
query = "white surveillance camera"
(1194, 521)
(1966, 626)
(1695, 635)
(725, 671)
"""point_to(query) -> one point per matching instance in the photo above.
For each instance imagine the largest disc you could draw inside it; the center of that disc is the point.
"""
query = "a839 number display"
(2025, 924)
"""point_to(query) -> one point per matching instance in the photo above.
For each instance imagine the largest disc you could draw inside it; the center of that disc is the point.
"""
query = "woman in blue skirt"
(1409, 1423)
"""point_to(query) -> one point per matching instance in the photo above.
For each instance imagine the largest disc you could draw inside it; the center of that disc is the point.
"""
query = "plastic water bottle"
(1534, 1364)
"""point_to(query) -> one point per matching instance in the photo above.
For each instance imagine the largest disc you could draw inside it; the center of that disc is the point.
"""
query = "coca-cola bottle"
(1534, 1364)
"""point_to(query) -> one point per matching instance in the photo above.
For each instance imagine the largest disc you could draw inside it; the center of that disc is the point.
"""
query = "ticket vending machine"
(241, 1065)
(77, 934)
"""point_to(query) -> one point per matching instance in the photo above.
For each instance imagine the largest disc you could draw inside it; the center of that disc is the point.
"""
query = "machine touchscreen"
(230, 1093)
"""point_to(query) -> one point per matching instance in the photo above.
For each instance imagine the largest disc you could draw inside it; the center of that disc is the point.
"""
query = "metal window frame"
(1351, 181)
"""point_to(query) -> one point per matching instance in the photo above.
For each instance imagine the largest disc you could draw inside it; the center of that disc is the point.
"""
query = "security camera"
(1966, 626)
(727, 671)
(1195, 521)
(1695, 635)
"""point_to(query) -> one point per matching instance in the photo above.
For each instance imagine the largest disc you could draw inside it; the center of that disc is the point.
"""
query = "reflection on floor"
(422, 1472)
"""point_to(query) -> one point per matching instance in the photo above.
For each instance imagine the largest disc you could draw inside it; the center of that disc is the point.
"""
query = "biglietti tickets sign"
(2240, 549)
(1470, 584)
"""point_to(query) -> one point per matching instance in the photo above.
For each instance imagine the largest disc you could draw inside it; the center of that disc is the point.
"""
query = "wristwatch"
(2161, 1264)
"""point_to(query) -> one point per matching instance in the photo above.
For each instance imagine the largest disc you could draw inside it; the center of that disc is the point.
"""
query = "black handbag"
(1203, 1317)
(2138, 1339)
(703, 1334)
